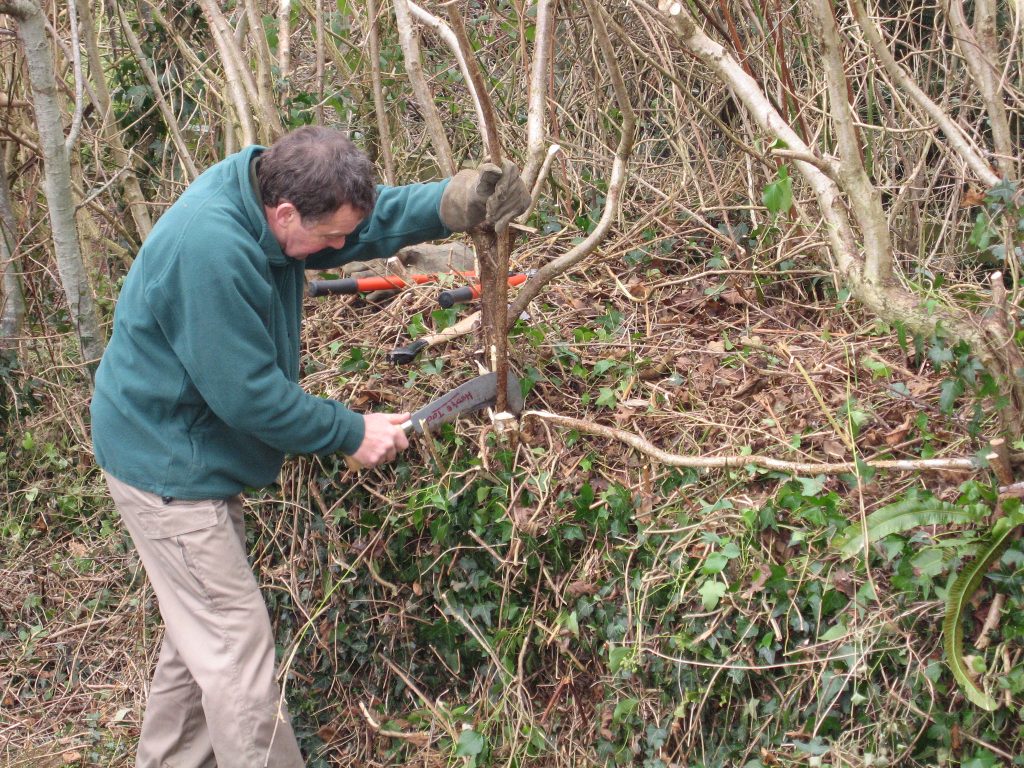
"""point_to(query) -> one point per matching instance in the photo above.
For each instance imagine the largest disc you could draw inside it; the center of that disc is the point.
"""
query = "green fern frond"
(960, 594)
(913, 511)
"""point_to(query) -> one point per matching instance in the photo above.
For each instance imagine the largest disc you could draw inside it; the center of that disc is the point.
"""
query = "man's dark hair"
(318, 170)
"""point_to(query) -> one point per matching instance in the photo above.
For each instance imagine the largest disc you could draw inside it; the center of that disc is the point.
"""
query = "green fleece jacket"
(197, 395)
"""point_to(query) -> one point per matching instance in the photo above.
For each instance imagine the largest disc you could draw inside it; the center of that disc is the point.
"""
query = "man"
(196, 399)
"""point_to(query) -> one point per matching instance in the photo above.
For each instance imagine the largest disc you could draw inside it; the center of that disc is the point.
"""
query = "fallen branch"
(417, 737)
(737, 460)
(434, 708)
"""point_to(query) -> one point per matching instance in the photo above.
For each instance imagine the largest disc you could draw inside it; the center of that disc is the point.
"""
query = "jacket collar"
(249, 189)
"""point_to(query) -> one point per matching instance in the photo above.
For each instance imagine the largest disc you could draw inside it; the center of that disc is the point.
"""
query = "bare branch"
(129, 181)
(270, 121)
(184, 154)
(492, 248)
(420, 89)
(957, 139)
(459, 50)
(57, 179)
(284, 22)
(868, 277)
(627, 135)
(76, 67)
(545, 168)
(864, 198)
(536, 135)
(239, 80)
(979, 48)
(383, 129)
(12, 299)
(318, 23)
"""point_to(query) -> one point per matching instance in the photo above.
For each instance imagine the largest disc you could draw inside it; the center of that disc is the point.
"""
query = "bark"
(738, 460)
(536, 156)
(420, 89)
(865, 199)
(462, 50)
(284, 23)
(122, 159)
(12, 300)
(57, 178)
(492, 248)
(270, 120)
(318, 19)
(76, 67)
(343, 72)
(956, 138)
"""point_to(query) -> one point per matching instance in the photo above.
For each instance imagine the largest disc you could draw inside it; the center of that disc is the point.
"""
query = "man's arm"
(403, 216)
(212, 311)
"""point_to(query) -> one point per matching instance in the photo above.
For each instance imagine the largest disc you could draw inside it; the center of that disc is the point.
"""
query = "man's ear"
(283, 215)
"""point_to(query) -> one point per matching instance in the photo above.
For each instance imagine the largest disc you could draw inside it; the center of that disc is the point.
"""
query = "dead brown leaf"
(833, 448)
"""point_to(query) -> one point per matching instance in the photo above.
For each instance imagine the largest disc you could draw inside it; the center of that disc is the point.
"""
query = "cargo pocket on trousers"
(164, 521)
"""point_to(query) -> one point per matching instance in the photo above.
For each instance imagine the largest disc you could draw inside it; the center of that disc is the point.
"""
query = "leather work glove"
(424, 259)
(487, 194)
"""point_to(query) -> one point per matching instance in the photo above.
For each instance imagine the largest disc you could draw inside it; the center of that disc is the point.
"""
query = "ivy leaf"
(812, 747)
(711, 592)
(778, 196)
(731, 550)
(616, 656)
(982, 234)
(982, 759)
(878, 370)
(715, 563)
(471, 744)
(811, 486)
(624, 709)
(951, 390)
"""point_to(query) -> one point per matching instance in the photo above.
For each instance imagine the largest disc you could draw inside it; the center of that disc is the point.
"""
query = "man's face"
(299, 239)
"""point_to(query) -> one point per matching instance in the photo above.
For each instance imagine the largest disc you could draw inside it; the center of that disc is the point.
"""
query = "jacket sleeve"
(213, 308)
(402, 216)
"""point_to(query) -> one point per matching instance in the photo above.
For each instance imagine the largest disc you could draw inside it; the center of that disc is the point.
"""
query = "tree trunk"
(57, 178)
(270, 123)
(12, 301)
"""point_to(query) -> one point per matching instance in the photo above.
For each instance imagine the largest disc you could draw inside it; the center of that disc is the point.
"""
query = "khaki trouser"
(213, 700)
